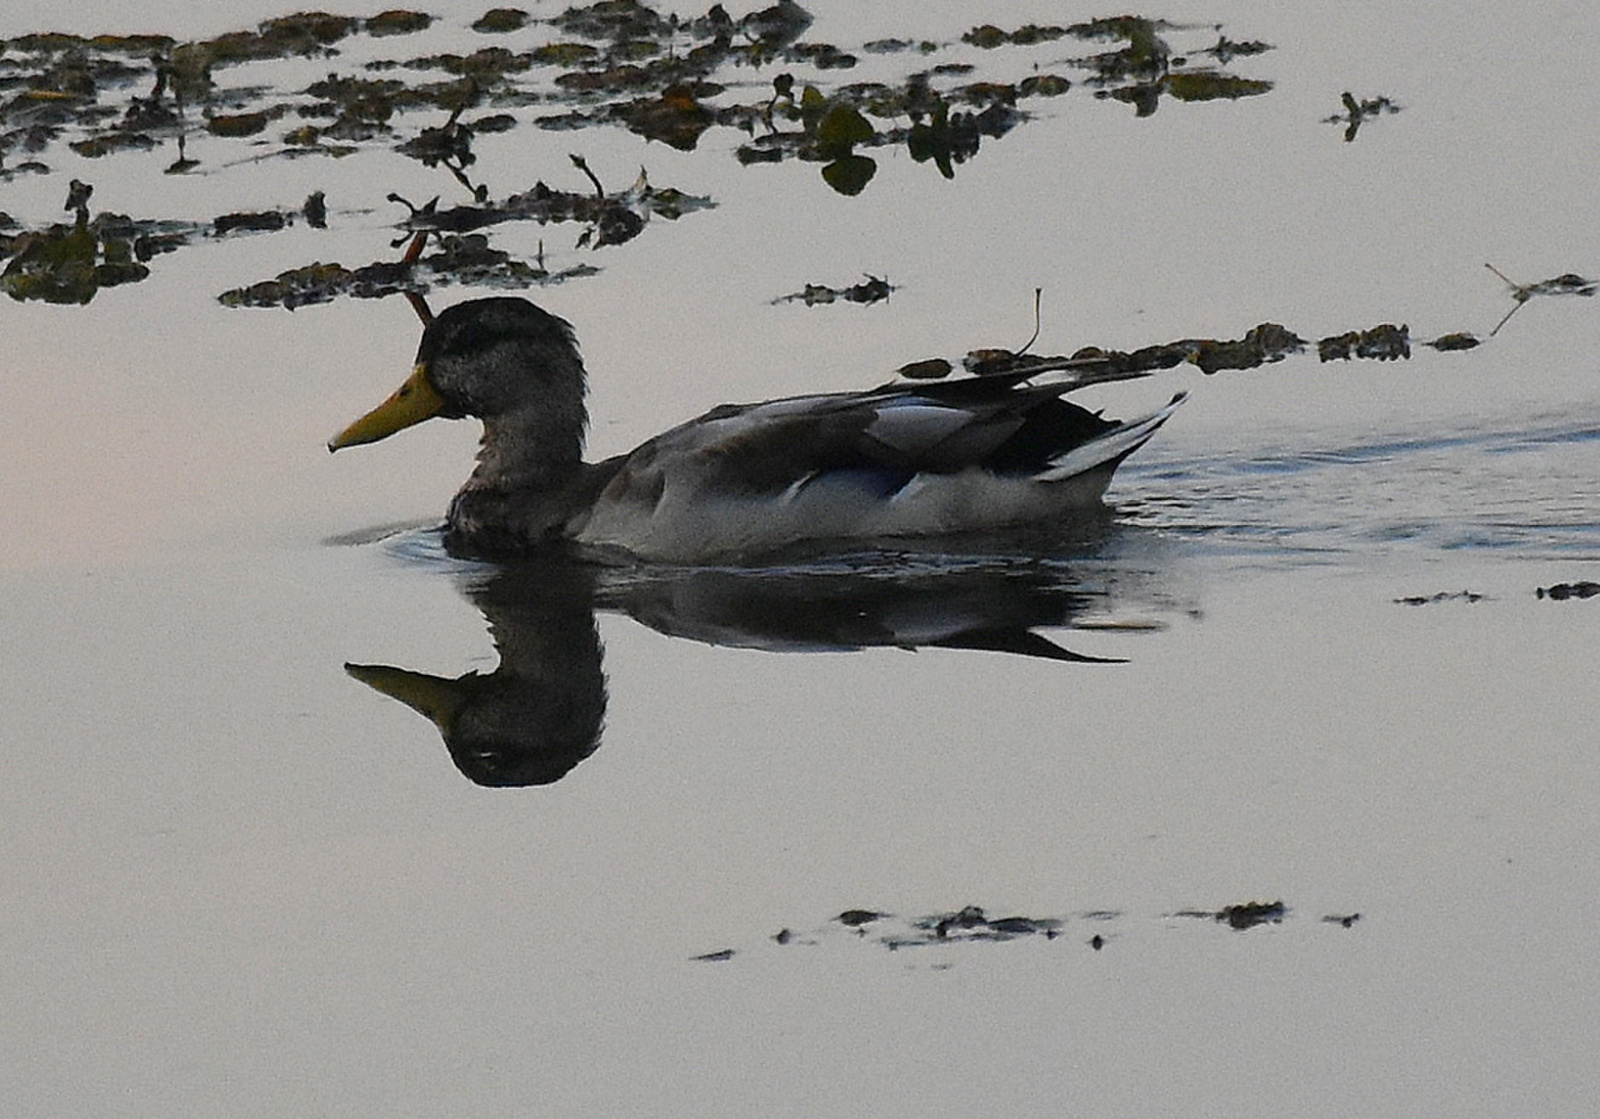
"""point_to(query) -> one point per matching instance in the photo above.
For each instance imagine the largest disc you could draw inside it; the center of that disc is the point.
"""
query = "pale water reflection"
(237, 881)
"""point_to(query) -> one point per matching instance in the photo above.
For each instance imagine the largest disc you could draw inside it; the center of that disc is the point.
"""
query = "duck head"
(502, 360)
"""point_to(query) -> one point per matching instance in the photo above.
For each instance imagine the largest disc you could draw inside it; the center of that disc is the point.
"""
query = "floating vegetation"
(666, 78)
(1245, 916)
(972, 924)
(1209, 85)
(948, 138)
(111, 142)
(464, 256)
(1356, 113)
(398, 22)
(68, 264)
(615, 61)
(1569, 283)
(1442, 596)
(612, 219)
(1147, 68)
(1261, 345)
(1264, 344)
(498, 21)
(242, 124)
(459, 259)
(71, 263)
(62, 263)
(1383, 343)
(930, 369)
(1560, 592)
(855, 918)
(611, 63)
(873, 289)
(1458, 340)
(263, 221)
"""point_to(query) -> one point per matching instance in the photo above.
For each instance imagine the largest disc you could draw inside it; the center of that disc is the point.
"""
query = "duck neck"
(530, 450)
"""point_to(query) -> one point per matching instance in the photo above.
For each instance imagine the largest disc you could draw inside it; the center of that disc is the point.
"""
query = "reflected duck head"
(502, 731)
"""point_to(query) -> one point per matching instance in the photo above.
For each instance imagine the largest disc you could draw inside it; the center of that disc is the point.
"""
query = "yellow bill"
(411, 403)
(440, 699)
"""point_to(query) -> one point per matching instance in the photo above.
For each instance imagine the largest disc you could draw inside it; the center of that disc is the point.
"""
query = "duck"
(907, 459)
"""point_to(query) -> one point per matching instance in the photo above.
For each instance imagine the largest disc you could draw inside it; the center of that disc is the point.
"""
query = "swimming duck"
(904, 459)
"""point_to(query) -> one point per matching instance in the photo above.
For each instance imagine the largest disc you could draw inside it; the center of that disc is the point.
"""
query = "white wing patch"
(909, 425)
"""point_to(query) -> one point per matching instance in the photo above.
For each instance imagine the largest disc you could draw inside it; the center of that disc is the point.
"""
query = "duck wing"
(890, 434)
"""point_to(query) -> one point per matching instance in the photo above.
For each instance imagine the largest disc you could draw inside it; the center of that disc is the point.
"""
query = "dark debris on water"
(1264, 344)
(458, 258)
(1244, 916)
(973, 924)
(1568, 283)
(1358, 112)
(1561, 592)
(1441, 596)
(872, 289)
(1383, 343)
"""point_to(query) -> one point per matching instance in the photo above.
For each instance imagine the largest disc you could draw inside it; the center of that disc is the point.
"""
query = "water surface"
(239, 881)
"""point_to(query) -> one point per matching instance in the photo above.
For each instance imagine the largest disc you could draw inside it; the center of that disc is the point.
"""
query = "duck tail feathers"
(1111, 447)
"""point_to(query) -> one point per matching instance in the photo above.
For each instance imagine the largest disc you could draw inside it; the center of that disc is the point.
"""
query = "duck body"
(906, 459)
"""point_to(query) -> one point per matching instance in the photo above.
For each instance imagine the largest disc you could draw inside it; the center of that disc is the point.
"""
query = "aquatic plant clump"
(611, 64)
(973, 925)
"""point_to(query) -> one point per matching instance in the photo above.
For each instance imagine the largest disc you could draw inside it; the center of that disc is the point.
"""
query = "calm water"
(238, 880)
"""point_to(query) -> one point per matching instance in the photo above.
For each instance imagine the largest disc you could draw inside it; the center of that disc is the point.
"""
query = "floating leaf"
(500, 20)
(986, 37)
(269, 221)
(398, 22)
(1251, 914)
(56, 266)
(109, 142)
(1209, 85)
(1043, 85)
(840, 129)
(1266, 343)
(1385, 343)
(675, 118)
(239, 124)
(929, 369)
(611, 19)
(1563, 591)
(850, 174)
(873, 289)
(1441, 596)
(564, 54)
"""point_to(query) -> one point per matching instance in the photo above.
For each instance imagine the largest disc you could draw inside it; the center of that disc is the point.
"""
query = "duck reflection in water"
(541, 711)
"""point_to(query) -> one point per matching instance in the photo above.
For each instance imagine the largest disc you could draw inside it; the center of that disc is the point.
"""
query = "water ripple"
(1531, 489)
